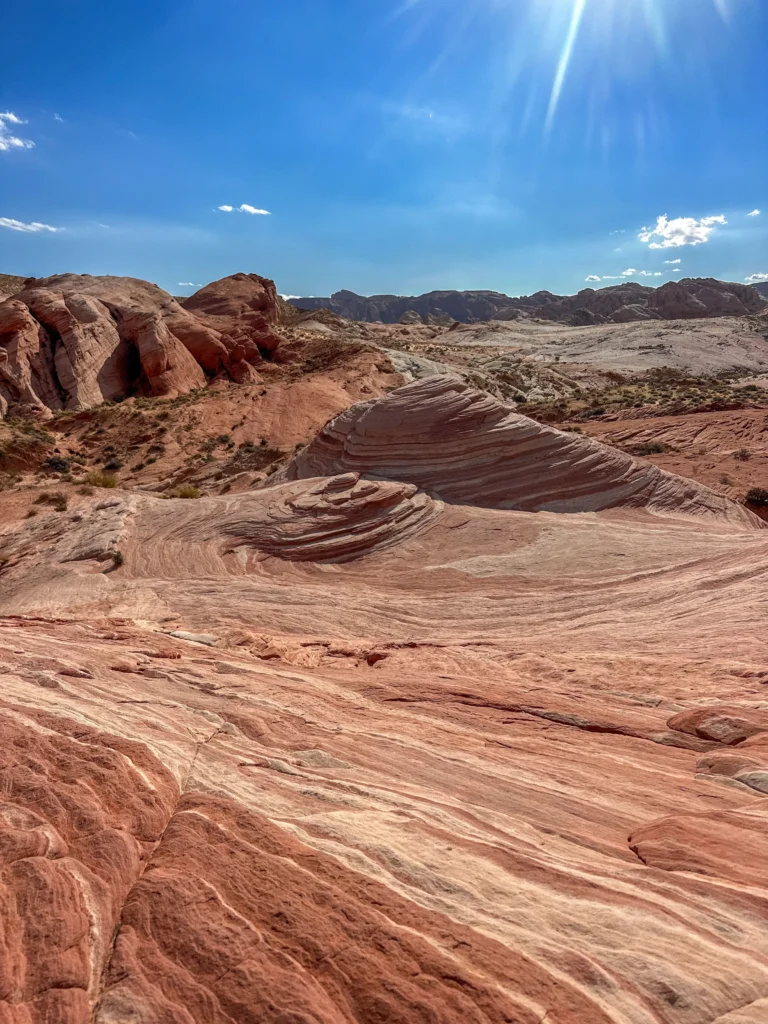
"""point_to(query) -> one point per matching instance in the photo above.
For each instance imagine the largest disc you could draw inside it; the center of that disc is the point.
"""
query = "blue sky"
(398, 145)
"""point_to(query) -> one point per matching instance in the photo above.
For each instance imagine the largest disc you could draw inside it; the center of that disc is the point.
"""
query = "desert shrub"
(185, 491)
(757, 496)
(57, 464)
(742, 455)
(85, 490)
(725, 479)
(98, 479)
(9, 480)
(113, 465)
(56, 499)
(649, 448)
(117, 559)
(31, 514)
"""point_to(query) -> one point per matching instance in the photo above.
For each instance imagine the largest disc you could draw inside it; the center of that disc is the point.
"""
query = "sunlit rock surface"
(381, 742)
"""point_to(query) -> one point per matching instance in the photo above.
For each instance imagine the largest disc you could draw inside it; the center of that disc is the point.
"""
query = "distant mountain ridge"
(622, 303)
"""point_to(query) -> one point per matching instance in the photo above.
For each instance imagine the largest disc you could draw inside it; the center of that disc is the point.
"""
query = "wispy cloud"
(680, 231)
(188, 284)
(58, 117)
(754, 213)
(650, 273)
(245, 208)
(673, 263)
(440, 122)
(756, 278)
(19, 225)
(7, 139)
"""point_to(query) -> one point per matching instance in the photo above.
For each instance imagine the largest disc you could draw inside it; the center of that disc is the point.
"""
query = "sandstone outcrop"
(333, 751)
(466, 447)
(71, 342)
(244, 308)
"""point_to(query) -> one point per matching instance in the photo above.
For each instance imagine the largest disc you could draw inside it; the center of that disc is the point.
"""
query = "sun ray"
(565, 59)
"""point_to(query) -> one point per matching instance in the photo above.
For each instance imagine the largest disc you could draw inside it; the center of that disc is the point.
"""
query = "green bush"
(185, 491)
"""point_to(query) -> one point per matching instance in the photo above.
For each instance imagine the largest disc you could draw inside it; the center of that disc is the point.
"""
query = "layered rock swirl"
(466, 447)
(335, 751)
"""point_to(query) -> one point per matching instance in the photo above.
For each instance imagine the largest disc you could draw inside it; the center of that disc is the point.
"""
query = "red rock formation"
(339, 752)
(74, 341)
(467, 447)
(244, 308)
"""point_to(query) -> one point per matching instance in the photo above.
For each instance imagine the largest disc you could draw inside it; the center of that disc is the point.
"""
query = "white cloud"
(680, 231)
(677, 271)
(7, 139)
(619, 249)
(607, 277)
(650, 273)
(19, 225)
(755, 213)
(620, 232)
(592, 277)
(629, 273)
(188, 284)
(673, 263)
(289, 297)
(245, 208)
(58, 117)
(756, 278)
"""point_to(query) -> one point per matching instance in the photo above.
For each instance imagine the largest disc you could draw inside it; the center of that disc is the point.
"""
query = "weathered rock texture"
(71, 342)
(244, 308)
(468, 448)
(685, 299)
(338, 752)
